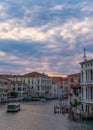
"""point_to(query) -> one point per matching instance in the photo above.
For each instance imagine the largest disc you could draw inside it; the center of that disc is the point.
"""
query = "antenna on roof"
(85, 58)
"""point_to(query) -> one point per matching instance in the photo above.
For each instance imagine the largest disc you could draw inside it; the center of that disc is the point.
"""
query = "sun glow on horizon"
(57, 75)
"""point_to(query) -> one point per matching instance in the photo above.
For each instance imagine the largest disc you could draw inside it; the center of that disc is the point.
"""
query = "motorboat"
(13, 107)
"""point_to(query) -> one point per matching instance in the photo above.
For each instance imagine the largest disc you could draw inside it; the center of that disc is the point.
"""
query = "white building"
(87, 85)
(21, 88)
(56, 91)
(5, 88)
(38, 84)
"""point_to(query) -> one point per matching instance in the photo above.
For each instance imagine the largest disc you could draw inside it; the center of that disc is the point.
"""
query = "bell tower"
(85, 58)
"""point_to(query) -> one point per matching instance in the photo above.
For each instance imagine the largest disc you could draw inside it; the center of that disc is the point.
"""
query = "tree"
(14, 94)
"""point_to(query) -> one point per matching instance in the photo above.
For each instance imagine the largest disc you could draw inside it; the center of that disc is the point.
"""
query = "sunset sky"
(45, 35)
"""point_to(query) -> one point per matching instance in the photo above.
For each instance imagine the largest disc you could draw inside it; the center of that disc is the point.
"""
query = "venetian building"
(87, 85)
(74, 87)
(5, 88)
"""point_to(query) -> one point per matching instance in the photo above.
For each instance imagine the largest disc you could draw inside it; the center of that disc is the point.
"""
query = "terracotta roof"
(35, 74)
(32, 74)
(75, 74)
(65, 79)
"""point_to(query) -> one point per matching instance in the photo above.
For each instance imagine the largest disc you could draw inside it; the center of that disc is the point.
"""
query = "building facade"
(56, 91)
(87, 86)
(74, 89)
(58, 80)
(5, 88)
(39, 85)
(65, 88)
(20, 88)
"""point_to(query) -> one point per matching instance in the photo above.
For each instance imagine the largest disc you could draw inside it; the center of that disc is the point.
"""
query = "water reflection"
(81, 125)
(38, 116)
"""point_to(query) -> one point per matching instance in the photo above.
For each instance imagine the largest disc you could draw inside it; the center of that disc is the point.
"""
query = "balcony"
(90, 101)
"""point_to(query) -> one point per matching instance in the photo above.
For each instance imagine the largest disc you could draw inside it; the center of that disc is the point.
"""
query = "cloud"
(69, 31)
(44, 35)
(57, 7)
(11, 59)
(2, 53)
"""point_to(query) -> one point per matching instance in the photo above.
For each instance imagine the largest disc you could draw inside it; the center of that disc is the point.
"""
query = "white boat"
(13, 107)
(43, 100)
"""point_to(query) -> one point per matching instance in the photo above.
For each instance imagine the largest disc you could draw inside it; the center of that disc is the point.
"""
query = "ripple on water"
(37, 116)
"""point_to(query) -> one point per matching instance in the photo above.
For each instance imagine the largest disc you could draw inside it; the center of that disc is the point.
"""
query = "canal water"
(39, 116)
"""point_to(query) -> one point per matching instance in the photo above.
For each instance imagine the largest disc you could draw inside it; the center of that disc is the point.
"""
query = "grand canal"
(39, 116)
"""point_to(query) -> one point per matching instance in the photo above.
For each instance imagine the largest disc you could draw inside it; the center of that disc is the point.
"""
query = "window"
(82, 108)
(29, 81)
(32, 81)
(91, 92)
(91, 73)
(5, 83)
(82, 92)
(1, 90)
(1, 83)
(71, 79)
(13, 88)
(79, 80)
(38, 88)
(86, 108)
(24, 89)
(86, 93)
(38, 81)
(81, 76)
(5, 90)
(72, 86)
(19, 88)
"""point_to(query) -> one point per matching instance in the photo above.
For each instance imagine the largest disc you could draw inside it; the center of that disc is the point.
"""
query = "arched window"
(82, 76)
(91, 73)
(71, 80)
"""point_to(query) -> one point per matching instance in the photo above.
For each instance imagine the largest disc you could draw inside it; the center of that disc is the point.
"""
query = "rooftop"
(87, 61)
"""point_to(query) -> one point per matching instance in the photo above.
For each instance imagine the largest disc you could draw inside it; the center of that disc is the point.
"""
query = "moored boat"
(43, 100)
